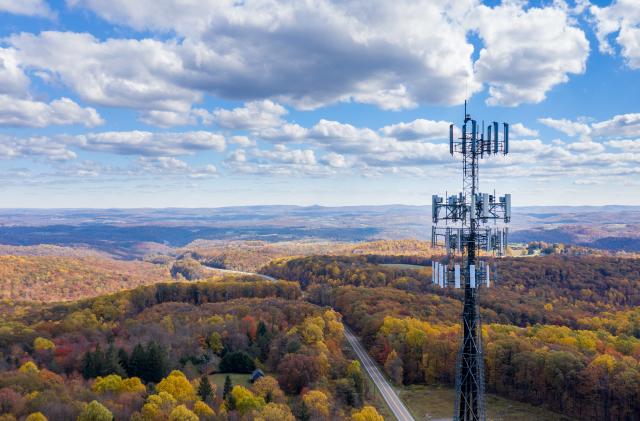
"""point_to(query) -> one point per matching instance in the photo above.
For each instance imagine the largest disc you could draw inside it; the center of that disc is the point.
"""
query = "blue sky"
(113, 103)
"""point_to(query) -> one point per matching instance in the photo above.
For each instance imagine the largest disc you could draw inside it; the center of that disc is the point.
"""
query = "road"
(239, 272)
(398, 408)
(395, 404)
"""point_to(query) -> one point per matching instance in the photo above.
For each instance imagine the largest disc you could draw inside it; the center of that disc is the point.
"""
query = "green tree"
(237, 362)
(157, 364)
(205, 391)
(95, 411)
(228, 386)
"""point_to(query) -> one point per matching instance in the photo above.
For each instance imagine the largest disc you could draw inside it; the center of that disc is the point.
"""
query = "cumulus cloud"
(622, 20)
(150, 143)
(335, 160)
(619, 126)
(28, 113)
(527, 51)
(34, 147)
(26, 7)
(418, 129)
(242, 141)
(518, 130)
(394, 55)
(141, 74)
(13, 80)
(568, 127)
(627, 145)
(307, 54)
(623, 125)
(254, 115)
(166, 165)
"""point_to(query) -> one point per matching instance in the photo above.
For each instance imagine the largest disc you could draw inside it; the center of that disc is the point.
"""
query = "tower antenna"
(470, 212)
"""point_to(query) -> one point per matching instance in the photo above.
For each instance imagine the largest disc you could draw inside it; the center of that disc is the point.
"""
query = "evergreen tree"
(137, 362)
(156, 366)
(237, 362)
(262, 329)
(263, 341)
(205, 390)
(88, 365)
(94, 364)
(228, 385)
(112, 363)
(123, 359)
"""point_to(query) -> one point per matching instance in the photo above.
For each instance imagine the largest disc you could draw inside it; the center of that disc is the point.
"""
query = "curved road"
(239, 272)
(395, 404)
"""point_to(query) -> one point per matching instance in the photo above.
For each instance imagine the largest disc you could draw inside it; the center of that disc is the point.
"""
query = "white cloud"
(568, 127)
(242, 141)
(418, 129)
(29, 113)
(526, 51)
(149, 143)
(394, 55)
(281, 154)
(518, 130)
(619, 126)
(588, 147)
(165, 165)
(628, 145)
(141, 74)
(623, 125)
(13, 81)
(254, 115)
(166, 118)
(335, 160)
(26, 7)
(288, 132)
(307, 54)
(620, 18)
(34, 147)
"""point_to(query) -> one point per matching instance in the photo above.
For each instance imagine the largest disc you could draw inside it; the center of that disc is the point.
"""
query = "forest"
(151, 353)
(559, 331)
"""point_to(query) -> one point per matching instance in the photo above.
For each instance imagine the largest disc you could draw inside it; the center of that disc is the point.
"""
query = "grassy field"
(436, 403)
(403, 266)
(218, 379)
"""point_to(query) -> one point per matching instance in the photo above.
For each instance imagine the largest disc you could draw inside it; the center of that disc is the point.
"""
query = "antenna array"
(470, 213)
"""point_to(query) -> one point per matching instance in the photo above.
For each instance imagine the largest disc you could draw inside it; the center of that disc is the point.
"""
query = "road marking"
(398, 408)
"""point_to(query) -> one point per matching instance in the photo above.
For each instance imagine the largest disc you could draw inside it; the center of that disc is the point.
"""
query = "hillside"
(59, 278)
(153, 353)
(561, 332)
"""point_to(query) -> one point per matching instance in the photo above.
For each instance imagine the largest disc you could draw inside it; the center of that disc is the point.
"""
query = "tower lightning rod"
(471, 213)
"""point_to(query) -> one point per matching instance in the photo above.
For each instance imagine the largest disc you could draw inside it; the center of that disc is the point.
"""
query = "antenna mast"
(470, 212)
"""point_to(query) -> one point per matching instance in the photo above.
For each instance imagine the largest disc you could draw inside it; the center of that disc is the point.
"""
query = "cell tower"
(470, 213)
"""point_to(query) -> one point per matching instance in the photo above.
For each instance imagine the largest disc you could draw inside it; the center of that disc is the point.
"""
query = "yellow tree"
(177, 385)
(95, 411)
(275, 412)
(158, 407)
(368, 413)
(42, 344)
(317, 403)
(203, 410)
(182, 413)
(267, 387)
(245, 400)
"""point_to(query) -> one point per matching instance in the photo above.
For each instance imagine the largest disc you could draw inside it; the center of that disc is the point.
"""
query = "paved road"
(395, 404)
(239, 272)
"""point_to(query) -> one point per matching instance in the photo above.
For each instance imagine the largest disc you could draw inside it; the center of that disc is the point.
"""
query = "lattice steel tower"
(468, 238)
